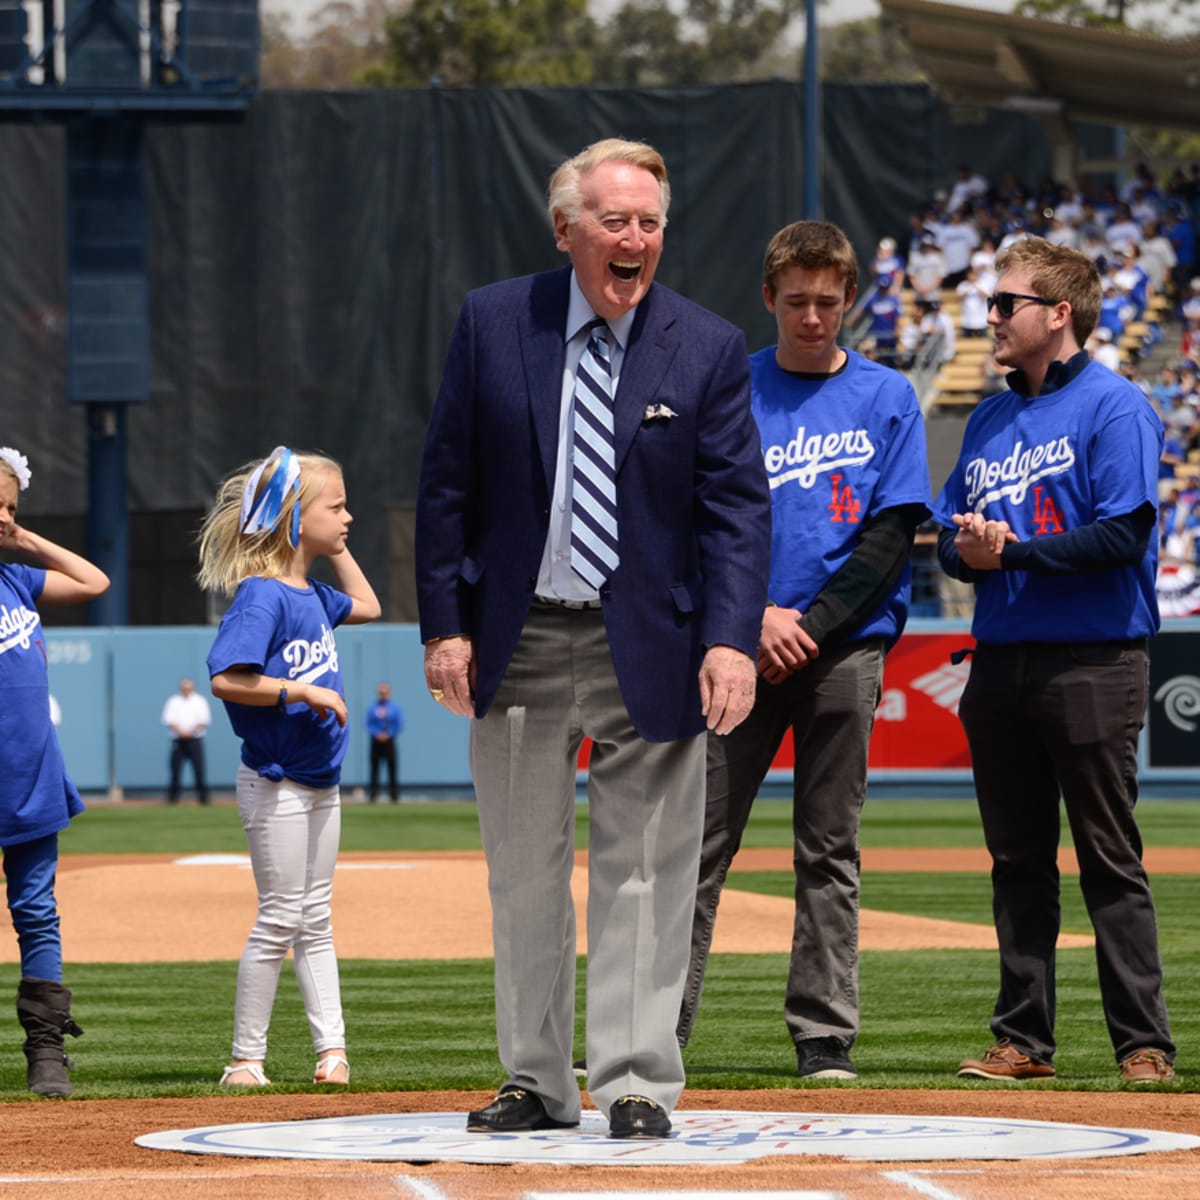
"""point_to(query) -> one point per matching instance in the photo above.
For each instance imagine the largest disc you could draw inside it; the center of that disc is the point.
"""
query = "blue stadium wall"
(111, 685)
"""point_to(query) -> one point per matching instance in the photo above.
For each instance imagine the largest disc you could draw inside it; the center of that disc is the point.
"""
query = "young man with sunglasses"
(1050, 512)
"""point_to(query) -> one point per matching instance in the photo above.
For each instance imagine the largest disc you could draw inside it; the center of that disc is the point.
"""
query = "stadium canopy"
(1066, 72)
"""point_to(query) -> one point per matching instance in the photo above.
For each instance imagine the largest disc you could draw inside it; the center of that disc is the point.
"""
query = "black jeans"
(1045, 720)
(187, 750)
(383, 753)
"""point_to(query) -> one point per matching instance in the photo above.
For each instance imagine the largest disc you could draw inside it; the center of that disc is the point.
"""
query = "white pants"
(293, 833)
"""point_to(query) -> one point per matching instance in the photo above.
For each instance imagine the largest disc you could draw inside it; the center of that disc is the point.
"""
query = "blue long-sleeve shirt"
(384, 716)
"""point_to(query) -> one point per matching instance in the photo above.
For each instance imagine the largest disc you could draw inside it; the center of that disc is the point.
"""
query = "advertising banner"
(917, 726)
(1173, 721)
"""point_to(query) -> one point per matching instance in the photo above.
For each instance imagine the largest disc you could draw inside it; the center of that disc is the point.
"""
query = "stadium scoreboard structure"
(155, 56)
(105, 70)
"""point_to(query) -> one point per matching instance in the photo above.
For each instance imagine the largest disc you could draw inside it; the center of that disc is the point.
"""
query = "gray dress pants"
(645, 807)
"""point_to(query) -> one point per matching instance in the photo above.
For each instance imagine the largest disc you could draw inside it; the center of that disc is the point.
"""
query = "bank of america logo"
(945, 685)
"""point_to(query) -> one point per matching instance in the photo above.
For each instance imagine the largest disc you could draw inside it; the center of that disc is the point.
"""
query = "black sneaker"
(823, 1058)
(579, 1066)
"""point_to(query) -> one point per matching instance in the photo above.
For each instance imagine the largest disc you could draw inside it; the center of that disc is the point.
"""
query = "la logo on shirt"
(844, 506)
(1046, 517)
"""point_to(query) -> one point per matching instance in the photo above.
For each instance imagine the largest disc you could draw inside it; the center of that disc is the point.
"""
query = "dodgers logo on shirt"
(310, 660)
(17, 626)
(987, 480)
(807, 457)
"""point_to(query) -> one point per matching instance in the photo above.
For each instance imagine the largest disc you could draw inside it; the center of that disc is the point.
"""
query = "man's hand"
(450, 673)
(979, 542)
(727, 682)
(784, 647)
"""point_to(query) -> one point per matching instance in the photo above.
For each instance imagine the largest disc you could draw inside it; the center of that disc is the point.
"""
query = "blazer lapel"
(653, 343)
(543, 351)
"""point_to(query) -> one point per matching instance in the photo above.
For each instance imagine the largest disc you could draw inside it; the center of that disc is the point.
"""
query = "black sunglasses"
(1005, 302)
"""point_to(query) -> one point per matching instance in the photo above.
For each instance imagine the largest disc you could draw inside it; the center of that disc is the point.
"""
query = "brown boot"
(44, 1010)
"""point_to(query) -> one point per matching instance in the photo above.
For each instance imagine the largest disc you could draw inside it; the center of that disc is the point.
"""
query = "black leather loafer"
(637, 1117)
(513, 1110)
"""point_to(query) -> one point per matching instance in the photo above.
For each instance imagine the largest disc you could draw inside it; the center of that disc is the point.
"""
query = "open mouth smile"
(626, 271)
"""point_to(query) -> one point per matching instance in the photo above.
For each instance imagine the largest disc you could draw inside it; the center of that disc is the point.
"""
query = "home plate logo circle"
(697, 1138)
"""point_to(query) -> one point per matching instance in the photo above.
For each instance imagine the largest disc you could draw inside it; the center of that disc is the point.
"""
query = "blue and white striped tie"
(593, 482)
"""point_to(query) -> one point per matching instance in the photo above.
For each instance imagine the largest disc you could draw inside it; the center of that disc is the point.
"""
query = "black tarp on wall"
(307, 265)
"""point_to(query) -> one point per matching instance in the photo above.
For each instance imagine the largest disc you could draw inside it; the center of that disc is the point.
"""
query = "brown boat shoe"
(1005, 1062)
(1147, 1066)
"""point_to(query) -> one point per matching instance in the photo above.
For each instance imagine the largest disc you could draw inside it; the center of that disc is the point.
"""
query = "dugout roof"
(1045, 67)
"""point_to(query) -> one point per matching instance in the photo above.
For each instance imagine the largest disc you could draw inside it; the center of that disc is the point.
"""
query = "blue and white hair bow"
(261, 515)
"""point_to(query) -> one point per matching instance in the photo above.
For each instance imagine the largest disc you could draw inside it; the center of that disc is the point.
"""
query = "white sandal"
(326, 1065)
(254, 1070)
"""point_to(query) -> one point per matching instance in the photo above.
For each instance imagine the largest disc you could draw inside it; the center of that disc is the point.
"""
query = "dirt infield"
(85, 1148)
(204, 906)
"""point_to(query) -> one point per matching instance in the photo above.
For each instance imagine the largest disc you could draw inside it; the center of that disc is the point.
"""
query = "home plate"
(698, 1137)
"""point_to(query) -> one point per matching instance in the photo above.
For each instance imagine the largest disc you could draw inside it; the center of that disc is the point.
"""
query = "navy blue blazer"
(692, 496)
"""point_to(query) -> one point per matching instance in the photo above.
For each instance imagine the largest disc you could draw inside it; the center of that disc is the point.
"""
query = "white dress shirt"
(189, 714)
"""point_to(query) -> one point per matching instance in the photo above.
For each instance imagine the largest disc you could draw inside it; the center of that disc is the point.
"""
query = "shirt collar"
(1058, 375)
(580, 313)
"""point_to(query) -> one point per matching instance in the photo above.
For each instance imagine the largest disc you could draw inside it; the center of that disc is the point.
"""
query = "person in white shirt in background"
(983, 261)
(1157, 255)
(1100, 346)
(1061, 233)
(1070, 209)
(187, 715)
(935, 321)
(957, 239)
(887, 261)
(972, 305)
(926, 268)
(1123, 230)
(968, 186)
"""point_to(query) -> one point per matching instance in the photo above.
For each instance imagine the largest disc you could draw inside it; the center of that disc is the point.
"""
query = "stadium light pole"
(105, 69)
(812, 115)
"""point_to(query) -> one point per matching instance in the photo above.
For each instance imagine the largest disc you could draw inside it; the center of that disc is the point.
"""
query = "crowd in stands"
(1176, 396)
(1142, 237)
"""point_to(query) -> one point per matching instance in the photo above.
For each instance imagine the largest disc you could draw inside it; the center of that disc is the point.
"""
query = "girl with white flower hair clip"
(275, 665)
(37, 797)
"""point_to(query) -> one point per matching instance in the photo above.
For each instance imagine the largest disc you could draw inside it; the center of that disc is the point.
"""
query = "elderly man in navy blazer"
(592, 545)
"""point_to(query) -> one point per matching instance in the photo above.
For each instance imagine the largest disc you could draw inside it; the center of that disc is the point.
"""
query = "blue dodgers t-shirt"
(838, 450)
(286, 632)
(1073, 456)
(37, 797)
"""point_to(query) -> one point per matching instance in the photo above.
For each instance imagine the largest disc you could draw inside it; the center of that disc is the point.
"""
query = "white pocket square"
(658, 412)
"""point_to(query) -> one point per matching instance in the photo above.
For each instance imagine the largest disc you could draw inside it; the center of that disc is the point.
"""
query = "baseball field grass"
(163, 1029)
(154, 828)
